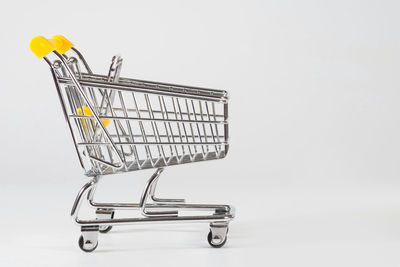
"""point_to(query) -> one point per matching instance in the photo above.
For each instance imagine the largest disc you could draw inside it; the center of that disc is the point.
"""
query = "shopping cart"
(120, 125)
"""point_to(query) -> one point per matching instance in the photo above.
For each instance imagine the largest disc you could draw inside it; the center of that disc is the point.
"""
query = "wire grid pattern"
(160, 126)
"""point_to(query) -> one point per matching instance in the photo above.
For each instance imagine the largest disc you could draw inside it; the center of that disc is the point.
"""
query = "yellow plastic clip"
(61, 43)
(40, 46)
(87, 112)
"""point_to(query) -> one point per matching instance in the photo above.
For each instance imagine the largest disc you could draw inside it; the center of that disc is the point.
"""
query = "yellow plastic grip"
(40, 46)
(61, 43)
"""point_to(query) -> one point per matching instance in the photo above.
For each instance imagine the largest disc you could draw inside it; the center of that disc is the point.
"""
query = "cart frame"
(90, 123)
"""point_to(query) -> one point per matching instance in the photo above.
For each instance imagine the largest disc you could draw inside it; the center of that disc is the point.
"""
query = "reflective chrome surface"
(121, 124)
(150, 124)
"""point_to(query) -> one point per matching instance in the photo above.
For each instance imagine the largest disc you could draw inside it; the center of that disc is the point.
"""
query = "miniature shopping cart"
(120, 125)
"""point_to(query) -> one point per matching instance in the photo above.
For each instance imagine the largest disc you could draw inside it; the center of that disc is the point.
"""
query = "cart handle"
(61, 43)
(41, 46)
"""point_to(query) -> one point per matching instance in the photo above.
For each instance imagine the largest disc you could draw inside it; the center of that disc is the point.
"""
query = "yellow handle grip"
(61, 43)
(41, 46)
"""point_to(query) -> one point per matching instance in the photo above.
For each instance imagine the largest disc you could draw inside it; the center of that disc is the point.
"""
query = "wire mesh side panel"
(149, 128)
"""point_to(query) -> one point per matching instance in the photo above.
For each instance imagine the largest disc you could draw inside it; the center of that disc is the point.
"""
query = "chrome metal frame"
(165, 211)
(190, 134)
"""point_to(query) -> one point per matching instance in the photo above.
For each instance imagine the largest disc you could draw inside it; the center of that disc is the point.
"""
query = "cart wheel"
(106, 229)
(216, 242)
(88, 247)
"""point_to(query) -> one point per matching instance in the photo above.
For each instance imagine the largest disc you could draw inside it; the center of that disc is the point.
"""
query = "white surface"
(314, 124)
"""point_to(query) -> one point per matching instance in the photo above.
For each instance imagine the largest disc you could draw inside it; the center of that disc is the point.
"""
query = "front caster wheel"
(216, 241)
(87, 245)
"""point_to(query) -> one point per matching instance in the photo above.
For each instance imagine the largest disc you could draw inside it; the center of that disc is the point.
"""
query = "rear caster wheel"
(88, 245)
(217, 240)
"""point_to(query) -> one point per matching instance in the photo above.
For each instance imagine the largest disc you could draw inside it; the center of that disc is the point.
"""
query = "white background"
(314, 122)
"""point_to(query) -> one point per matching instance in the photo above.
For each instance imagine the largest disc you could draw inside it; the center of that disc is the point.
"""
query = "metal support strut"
(159, 211)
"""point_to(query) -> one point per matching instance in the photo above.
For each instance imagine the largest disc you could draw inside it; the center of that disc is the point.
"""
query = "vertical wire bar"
(216, 127)
(203, 124)
(147, 148)
(211, 128)
(178, 126)
(101, 135)
(78, 70)
(226, 129)
(98, 137)
(128, 125)
(198, 127)
(165, 124)
(116, 128)
(155, 128)
(191, 126)
(170, 127)
(184, 127)
(106, 99)
(103, 100)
